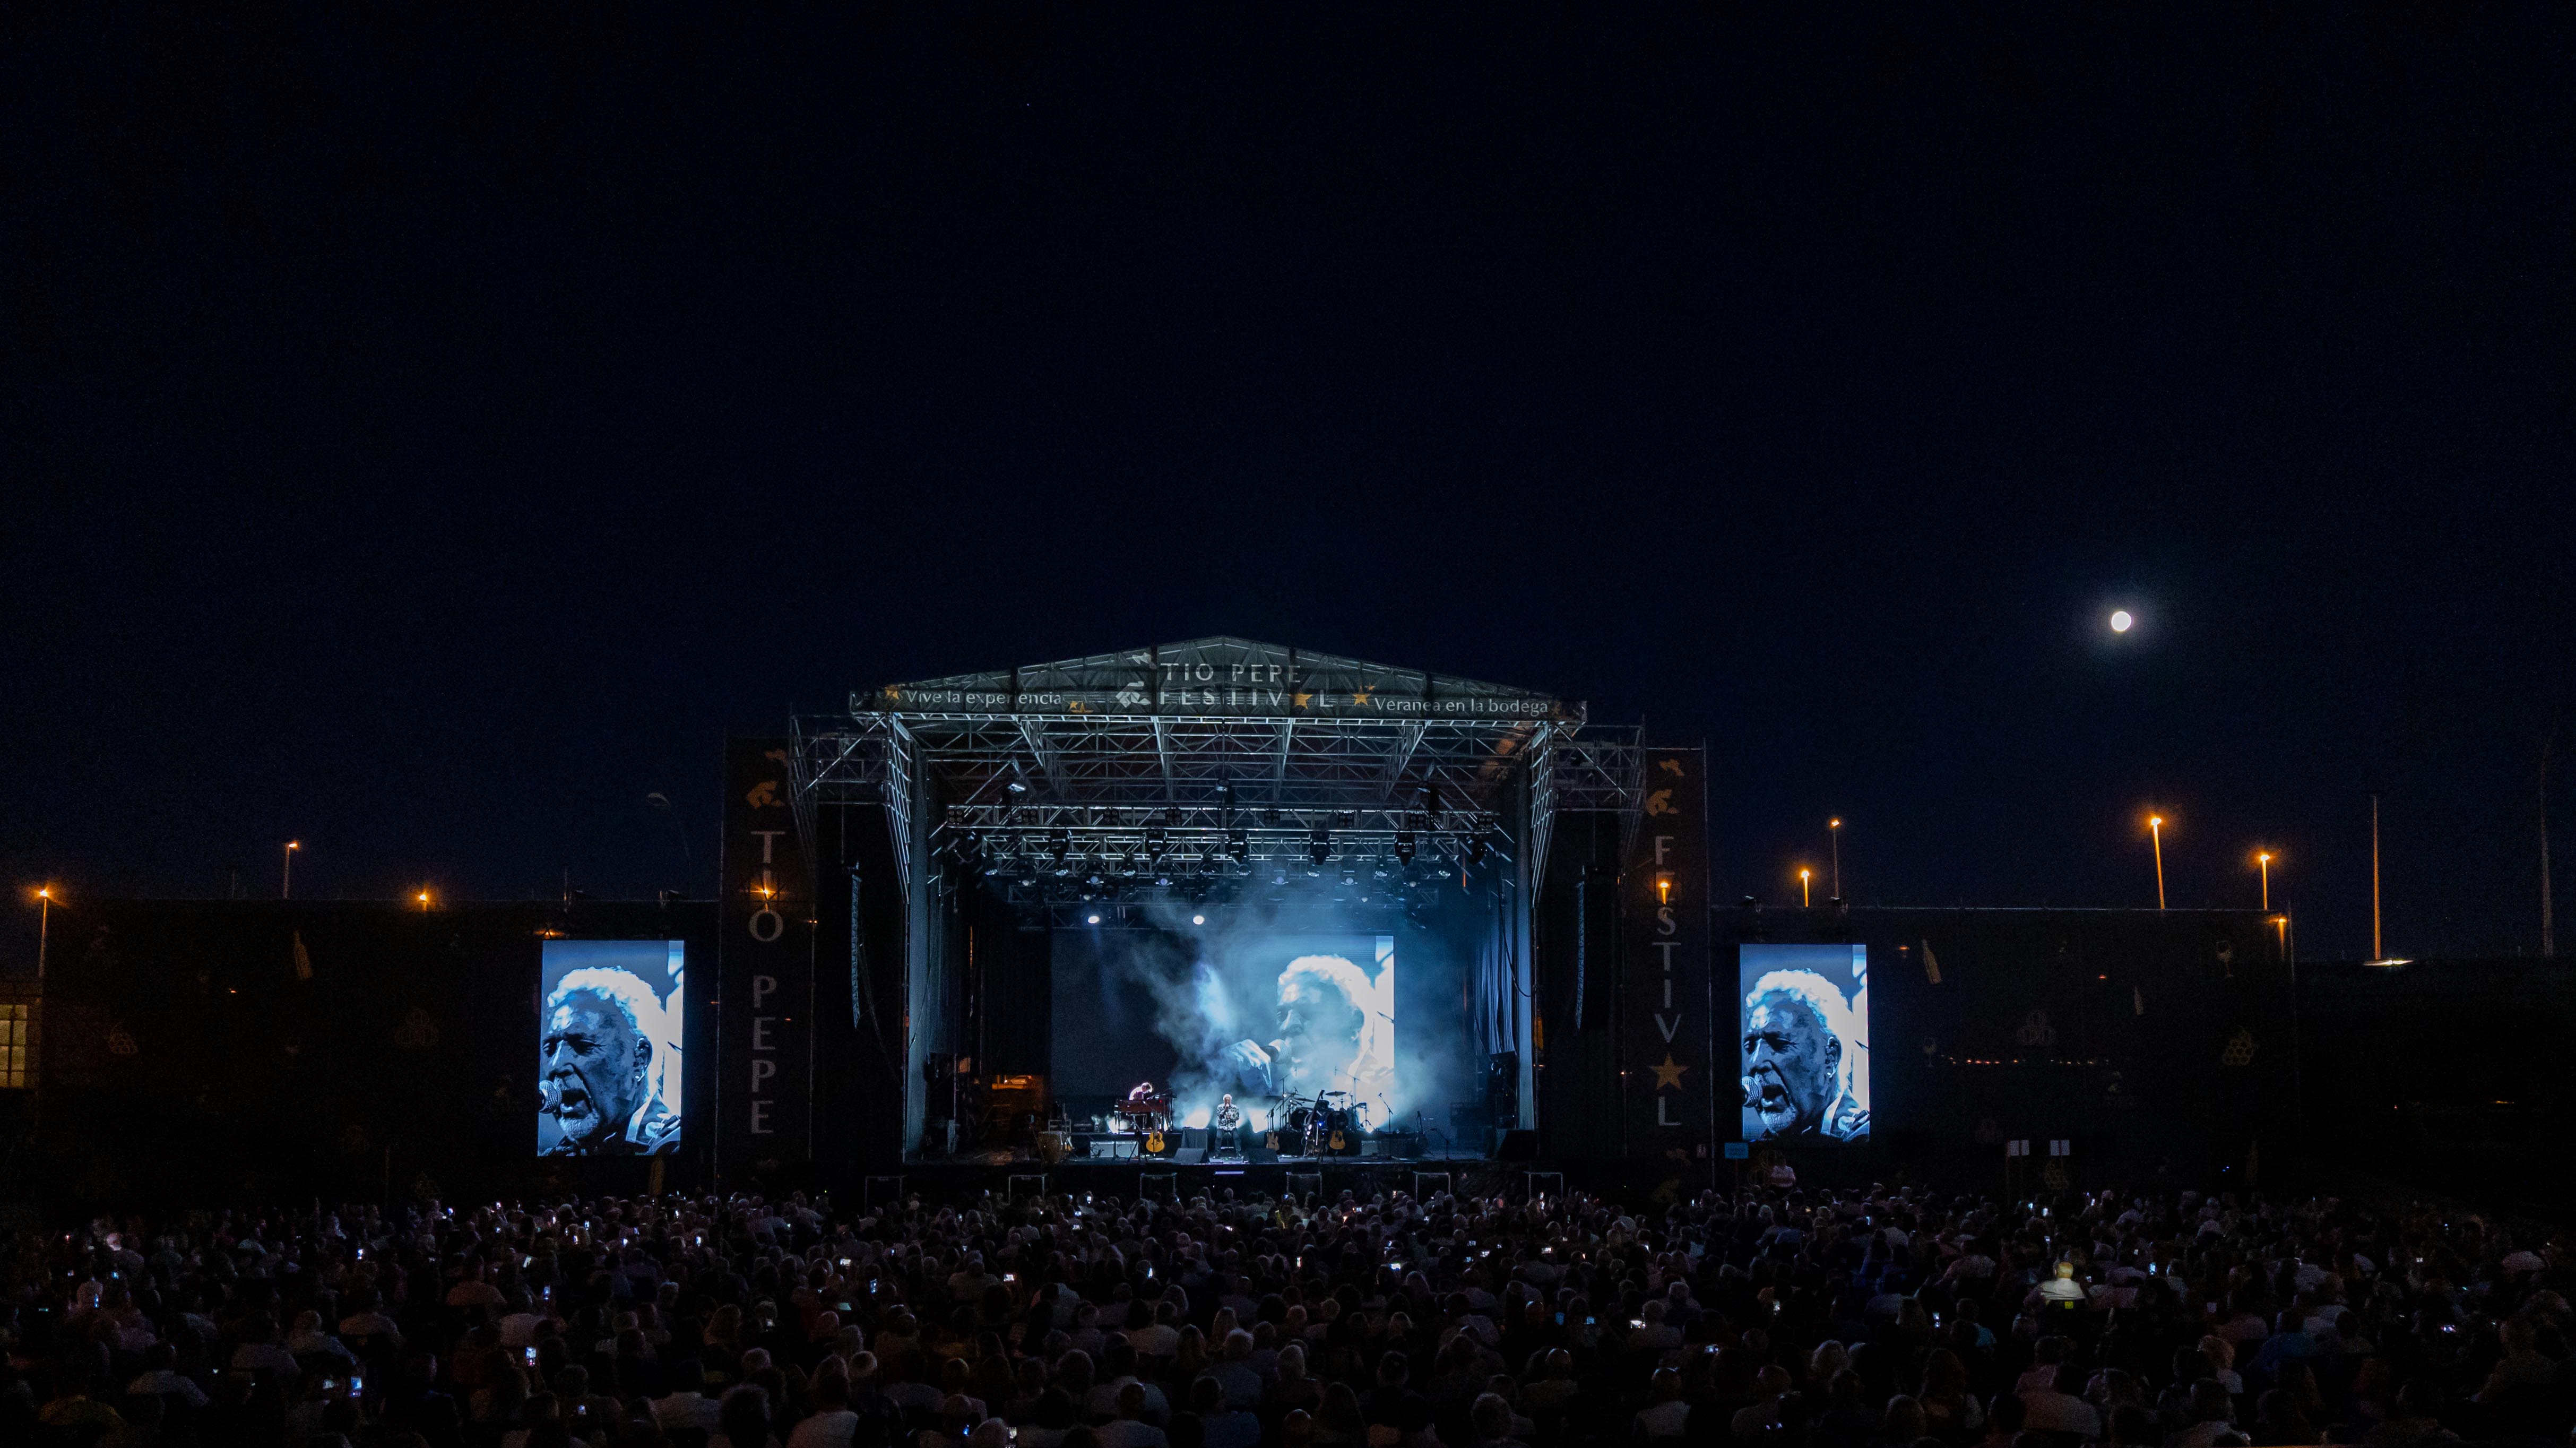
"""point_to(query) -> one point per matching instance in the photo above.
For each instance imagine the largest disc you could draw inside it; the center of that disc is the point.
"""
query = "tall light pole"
(1806, 896)
(2156, 835)
(2548, 927)
(44, 927)
(2375, 952)
(1834, 831)
(2263, 862)
(286, 885)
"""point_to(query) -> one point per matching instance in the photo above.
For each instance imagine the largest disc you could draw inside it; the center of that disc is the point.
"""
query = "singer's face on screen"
(1319, 1029)
(1789, 1061)
(594, 1068)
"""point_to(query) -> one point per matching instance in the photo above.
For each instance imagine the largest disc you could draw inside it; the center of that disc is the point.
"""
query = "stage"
(1223, 874)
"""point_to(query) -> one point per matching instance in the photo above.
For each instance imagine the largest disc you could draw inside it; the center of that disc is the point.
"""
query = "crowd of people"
(1881, 1319)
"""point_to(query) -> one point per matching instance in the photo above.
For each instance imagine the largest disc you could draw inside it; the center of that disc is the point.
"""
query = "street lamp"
(2263, 862)
(286, 885)
(2156, 833)
(1806, 897)
(44, 927)
(423, 897)
(1834, 832)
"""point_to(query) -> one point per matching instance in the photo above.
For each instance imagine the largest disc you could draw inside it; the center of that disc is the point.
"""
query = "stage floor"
(1164, 1179)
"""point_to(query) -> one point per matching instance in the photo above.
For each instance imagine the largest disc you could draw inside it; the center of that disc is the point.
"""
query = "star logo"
(1668, 1076)
(1301, 699)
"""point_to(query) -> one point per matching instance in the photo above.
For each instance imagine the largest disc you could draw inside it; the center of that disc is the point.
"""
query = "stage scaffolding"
(1203, 768)
(1218, 757)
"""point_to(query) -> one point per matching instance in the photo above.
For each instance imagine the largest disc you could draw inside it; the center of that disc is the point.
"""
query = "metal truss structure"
(1218, 757)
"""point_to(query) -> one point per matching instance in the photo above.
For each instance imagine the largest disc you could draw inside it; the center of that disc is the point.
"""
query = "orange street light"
(2263, 862)
(286, 883)
(2156, 833)
(423, 898)
(44, 928)
(1805, 896)
(1834, 832)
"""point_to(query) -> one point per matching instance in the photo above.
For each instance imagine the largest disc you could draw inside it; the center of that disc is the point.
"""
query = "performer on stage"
(1229, 1127)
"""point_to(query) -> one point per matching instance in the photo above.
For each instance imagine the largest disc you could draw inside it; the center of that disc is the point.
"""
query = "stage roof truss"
(1186, 745)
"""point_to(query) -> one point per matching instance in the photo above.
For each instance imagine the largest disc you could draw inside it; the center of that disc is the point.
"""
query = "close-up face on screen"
(1803, 1030)
(609, 1047)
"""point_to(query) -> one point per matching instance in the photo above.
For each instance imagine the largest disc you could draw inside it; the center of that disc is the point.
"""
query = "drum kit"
(1328, 1123)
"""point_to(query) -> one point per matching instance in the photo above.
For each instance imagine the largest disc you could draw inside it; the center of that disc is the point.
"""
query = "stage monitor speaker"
(1189, 1156)
(1517, 1145)
(1503, 1086)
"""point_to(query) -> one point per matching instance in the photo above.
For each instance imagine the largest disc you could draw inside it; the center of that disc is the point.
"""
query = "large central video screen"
(609, 1037)
(1802, 1022)
(1261, 1017)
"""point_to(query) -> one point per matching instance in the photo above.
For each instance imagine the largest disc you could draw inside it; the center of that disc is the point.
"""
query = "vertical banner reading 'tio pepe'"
(765, 962)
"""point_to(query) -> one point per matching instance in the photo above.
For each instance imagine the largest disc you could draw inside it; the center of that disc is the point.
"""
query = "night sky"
(424, 440)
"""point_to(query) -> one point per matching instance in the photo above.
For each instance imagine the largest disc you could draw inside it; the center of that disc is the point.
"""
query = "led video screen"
(1201, 1014)
(1802, 1023)
(609, 1047)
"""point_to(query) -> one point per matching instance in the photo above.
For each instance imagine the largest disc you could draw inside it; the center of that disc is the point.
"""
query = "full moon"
(2120, 620)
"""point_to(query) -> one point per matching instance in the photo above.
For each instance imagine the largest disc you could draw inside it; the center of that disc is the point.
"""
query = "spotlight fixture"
(1270, 816)
(1476, 850)
(1238, 844)
(1095, 917)
(1404, 845)
(1320, 846)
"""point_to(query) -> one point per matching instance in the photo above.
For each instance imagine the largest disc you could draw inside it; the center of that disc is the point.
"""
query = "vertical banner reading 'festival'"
(1667, 1023)
(765, 962)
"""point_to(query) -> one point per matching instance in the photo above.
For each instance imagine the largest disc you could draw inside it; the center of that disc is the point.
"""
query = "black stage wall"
(197, 1051)
(2450, 1075)
(185, 1053)
(2151, 1041)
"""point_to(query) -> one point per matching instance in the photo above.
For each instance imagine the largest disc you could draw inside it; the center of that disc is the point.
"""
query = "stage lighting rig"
(1319, 845)
(1404, 846)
